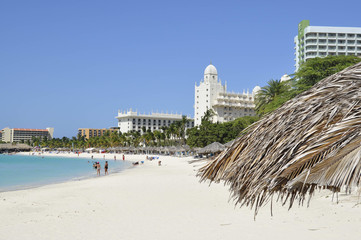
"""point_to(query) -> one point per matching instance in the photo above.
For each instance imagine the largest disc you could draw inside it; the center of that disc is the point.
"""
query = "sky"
(74, 64)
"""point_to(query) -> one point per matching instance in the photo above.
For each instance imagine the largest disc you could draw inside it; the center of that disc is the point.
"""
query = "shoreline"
(59, 181)
(165, 202)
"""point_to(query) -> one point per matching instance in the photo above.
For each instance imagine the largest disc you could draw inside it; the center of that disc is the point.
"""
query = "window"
(351, 35)
(351, 41)
(311, 35)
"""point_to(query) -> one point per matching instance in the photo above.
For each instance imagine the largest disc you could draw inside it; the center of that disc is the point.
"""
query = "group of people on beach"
(96, 165)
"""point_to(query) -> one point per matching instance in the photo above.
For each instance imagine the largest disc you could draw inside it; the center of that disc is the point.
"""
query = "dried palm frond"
(313, 140)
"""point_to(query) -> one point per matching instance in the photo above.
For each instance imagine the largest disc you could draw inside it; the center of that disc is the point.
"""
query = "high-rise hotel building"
(315, 41)
(23, 134)
(227, 106)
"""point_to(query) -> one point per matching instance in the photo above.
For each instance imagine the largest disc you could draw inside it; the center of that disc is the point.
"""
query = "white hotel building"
(211, 94)
(129, 120)
(314, 41)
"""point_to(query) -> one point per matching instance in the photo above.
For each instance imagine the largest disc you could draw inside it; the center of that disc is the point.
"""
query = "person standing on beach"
(98, 168)
(106, 167)
(115, 158)
(123, 157)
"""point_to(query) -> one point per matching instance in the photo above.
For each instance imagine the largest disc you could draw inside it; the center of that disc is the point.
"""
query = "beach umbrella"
(228, 144)
(311, 141)
(11, 147)
(186, 147)
(215, 147)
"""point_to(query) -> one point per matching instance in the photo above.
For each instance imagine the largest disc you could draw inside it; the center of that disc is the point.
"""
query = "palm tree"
(208, 115)
(269, 92)
(182, 129)
(157, 136)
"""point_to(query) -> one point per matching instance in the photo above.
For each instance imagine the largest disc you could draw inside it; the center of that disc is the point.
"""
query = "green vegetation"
(277, 93)
(316, 69)
(272, 96)
(209, 132)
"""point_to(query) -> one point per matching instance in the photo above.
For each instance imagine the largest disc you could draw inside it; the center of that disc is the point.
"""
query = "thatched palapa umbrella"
(228, 144)
(16, 147)
(313, 140)
(215, 147)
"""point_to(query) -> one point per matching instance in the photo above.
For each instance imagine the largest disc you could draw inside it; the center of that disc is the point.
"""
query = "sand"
(164, 202)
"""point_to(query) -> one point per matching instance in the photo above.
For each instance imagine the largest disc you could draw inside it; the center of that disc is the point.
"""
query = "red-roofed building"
(22, 134)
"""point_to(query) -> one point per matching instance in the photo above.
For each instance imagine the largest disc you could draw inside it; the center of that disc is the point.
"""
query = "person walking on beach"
(106, 167)
(115, 158)
(98, 168)
(123, 157)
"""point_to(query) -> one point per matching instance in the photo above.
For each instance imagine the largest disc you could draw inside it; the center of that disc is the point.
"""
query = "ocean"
(21, 172)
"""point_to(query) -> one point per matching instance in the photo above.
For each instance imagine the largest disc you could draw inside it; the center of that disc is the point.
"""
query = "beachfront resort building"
(129, 120)
(95, 132)
(10, 135)
(227, 106)
(315, 41)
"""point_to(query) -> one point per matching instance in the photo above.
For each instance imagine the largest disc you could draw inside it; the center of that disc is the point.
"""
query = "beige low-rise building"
(95, 132)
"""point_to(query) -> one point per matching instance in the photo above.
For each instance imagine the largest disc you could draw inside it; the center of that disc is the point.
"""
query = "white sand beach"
(164, 202)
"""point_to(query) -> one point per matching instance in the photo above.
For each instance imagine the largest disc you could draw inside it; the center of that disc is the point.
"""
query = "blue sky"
(73, 64)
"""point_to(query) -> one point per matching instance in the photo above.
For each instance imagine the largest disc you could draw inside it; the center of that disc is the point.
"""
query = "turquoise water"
(20, 172)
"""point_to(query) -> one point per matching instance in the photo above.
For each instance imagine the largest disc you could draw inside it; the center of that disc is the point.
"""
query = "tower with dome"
(227, 106)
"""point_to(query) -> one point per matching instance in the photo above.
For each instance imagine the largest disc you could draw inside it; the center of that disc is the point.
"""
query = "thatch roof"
(228, 144)
(212, 148)
(313, 140)
(18, 147)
